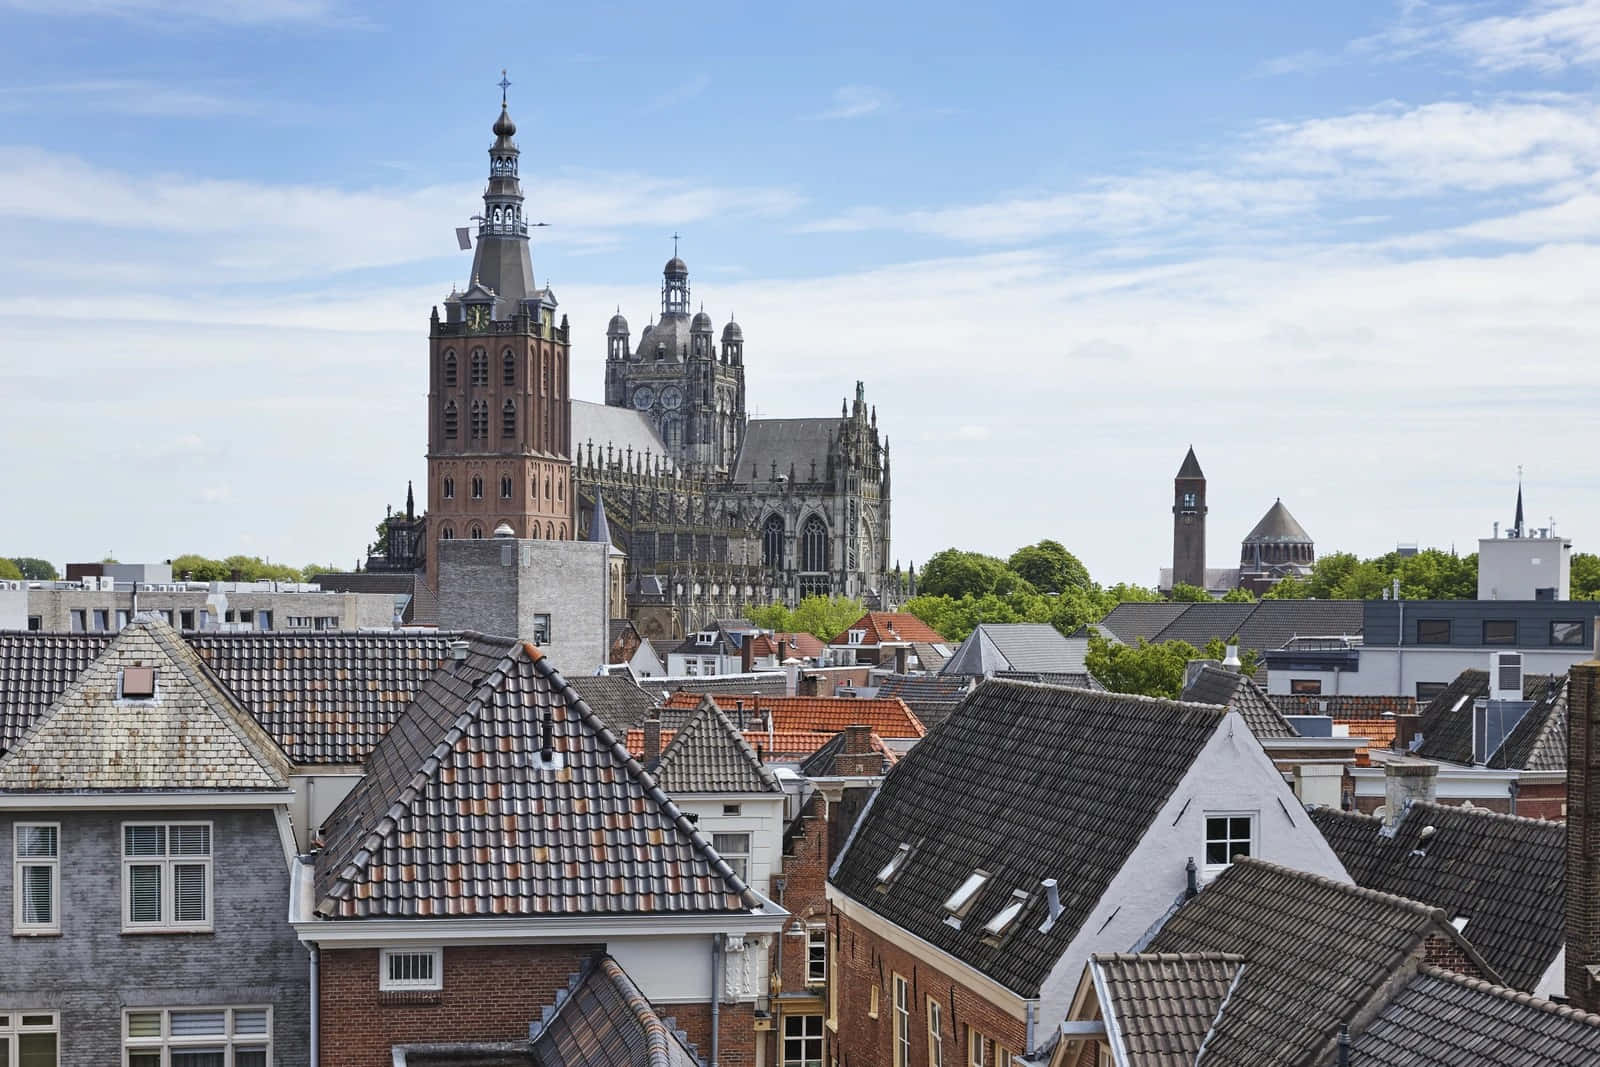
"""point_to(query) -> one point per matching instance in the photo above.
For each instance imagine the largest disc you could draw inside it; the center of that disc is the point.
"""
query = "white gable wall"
(1231, 774)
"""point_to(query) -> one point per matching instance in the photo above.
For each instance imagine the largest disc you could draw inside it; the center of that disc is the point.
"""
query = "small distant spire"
(505, 83)
(1518, 524)
(411, 503)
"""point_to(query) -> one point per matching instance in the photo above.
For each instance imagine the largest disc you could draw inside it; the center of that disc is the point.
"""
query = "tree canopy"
(1585, 576)
(9, 570)
(34, 569)
(826, 617)
(250, 568)
(1155, 670)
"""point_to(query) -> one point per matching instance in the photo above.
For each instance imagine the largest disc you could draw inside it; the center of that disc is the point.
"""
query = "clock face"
(643, 397)
(671, 398)
(477, 317)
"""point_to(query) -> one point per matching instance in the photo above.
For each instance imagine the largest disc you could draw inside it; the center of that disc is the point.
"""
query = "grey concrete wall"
(497, 586)
(1513, 568)
(353, 611)
(93, 971)
(13, 609)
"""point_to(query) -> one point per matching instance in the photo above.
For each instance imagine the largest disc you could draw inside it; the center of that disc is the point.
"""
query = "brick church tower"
(1189, 524)
(499, 409)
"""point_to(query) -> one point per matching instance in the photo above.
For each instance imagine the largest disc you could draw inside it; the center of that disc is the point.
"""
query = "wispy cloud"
(853, 102)
(236, 12)
(128, 96)
(681, 93)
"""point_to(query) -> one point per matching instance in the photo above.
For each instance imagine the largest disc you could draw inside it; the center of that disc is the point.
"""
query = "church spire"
(599, 528)
(1518, 524)
(503, 261)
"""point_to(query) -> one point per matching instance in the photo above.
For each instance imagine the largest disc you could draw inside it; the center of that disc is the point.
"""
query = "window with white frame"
(902, 1022)
(983, 1051)
(197, 1037)
(935, 1034)
(401, 969)
(166, 876)
(816, 955)
(36, 879)
(960, 902)
(802, 1041)
(735, 848)
(1228, 834)
(30, 1039)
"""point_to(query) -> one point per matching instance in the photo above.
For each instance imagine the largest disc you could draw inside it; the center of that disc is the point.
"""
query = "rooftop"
(709, 755)
(1017, 646)
(888, 716)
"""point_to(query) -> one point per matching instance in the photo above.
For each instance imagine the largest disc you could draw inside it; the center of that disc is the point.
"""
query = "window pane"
(1216, 828)
(36, 842)
(191, 840)
(249, 1057)
(144, 1024)
(144, 893)
(37, 1050)
(1216, 852)
(193, 1023)
(253, 1021)
(144, 1059)
(1239, 829)
(144, 840)
(1566, 633)
(189, 892)
(199, 1057)
(36, 882)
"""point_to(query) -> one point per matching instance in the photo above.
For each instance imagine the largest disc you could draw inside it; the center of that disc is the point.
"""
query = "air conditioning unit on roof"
(1505, 676)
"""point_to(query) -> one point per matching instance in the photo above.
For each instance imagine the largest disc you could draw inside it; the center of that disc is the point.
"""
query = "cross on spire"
(505, 84)
(674, 244)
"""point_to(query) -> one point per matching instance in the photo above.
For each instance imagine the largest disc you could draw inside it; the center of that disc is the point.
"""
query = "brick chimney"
(902, 659)
(857, 757)
(747, 653)
(652, 737)
(1407, 781)
(1406, 726)
(1583, 834)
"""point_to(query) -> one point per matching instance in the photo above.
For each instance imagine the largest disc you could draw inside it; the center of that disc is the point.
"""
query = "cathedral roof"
(618, 324)
(618, 427)
(1277, 526)
(702, 321)
(675, 266)
(671, 332)
(1191, 466)
(786, 442)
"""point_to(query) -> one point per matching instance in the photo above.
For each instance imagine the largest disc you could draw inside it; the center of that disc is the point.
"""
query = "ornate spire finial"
(674, 243)
(505, 83)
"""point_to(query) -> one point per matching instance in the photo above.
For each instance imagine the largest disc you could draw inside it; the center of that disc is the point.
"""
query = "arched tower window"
(480, 418)
(477, 532)
(480, 367)
(814, 545)
(672, 431)
(509, 368)
(451, 421)
(450, 369)
(508, 419)
(550, 531)
(447, 534)
(477, 488)
(505, 487)
(449, 488)
(772, 541)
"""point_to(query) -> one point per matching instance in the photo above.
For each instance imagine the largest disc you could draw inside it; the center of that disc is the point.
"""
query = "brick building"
(1583, 837)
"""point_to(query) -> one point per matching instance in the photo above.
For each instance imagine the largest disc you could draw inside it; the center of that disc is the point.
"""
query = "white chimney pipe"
(1231, 661)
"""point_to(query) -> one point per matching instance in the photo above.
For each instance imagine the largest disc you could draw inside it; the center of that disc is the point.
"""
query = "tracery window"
(505, 487)
(509, 369)
(480, 367)
(480, 418)
(477, 488)
(772, 541)
(508, 419)
(451, 421)
(814, 545)
(450, 369)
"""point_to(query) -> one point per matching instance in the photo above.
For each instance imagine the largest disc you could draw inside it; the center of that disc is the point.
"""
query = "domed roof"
(503, 126)
(1277, 526)
(731, 332)
(702, 321)
(675, 266)
(618, 324)
(504, 530)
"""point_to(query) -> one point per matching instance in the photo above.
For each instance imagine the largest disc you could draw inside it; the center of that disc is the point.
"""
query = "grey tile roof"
(1239, 692)
(456, 815)
(1505, 874)
(620, 427)
(800, 442)
(616, 698)
(1446, 723)
(708, 754)
(1277, 526)
(1441, 1019)
(1163, 1004)
(1275, 622)
(191, 736)
(1132, 621)
(767, 684)
(928, 656)
(1316, 953)
(326, 698)
(1015, 646)
(35, 668)
(1204, 621)
(931, 696)
(823, 762)
(1073, 679)
(1064, 806)
(605, 1021)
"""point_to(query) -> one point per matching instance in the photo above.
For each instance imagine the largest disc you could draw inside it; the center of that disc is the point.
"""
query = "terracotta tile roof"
(780, 746)
(191, 735)
(1162, 1005)
(35, 668)
(801, 645)
(1238, 692)
(888, 716)
(1505, 874)
(1378, 731)
(894, 626)
(459, 815)
(709, 755)
(1317, 952)
(1445, 1018)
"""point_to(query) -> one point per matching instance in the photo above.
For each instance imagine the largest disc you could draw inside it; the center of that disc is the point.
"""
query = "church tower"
(499, 408)
(1189, 524)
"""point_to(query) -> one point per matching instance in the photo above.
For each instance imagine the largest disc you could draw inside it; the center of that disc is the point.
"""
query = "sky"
(1350, 252)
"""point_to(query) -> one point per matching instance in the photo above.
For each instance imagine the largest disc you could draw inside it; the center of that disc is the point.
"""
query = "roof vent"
(504, 530)
(1052, 896)
(458, 651)
(1505, 676)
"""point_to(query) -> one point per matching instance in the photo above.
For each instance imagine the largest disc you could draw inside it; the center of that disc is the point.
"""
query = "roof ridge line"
(1478, 812)
(1517, 996)
(1375, 895)
(1132, 698)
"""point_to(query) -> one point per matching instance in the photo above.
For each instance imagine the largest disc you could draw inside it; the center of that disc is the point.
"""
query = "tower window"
(505, 487)
(509, 368)
(508, 419)
(477, 532)
(449, 488)
(450, 369)
(480, 367)
(451, 421)
(1188, 500)
(447, 534)
(480, 418)
(477, 488)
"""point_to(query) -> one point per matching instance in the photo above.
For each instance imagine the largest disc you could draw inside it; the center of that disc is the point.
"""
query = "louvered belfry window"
(166, 876)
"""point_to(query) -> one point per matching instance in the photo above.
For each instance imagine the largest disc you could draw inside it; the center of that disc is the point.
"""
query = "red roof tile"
(888, 716)
(895, 626)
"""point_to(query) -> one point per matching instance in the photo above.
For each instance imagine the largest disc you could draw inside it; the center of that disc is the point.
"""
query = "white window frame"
(805, 1038)
(960, 902)
(1213, 869)
(14, 1026)
(901, 1007)
(935, 1033)
(393, 985)
(743, 857)
(166, 861)
(974, 1047)
(19, 926)
(816, 955)
(166, 1043)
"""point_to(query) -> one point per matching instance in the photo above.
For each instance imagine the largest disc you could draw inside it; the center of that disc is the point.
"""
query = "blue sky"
(1348, 251)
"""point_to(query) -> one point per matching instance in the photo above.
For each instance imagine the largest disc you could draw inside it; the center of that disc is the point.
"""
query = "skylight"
(962, 898)
(997, 926)
(896, 861)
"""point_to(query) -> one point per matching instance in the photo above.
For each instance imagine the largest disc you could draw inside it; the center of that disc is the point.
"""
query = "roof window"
(887, 872)
(960, 902)
(997, 926)
(138, 683)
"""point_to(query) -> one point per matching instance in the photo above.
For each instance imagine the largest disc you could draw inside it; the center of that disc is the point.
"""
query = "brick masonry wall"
(736, 1025)
(866, 960)
(1543, 801)
(1367, 805)
(1440, 951)
(1583, 834)
(805, 873)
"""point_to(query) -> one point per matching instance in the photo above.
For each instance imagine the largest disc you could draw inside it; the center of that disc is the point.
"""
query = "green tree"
(9, 570)
(250, 569)
(1289, 588)
(1585, 576)
(1049, 567)
(1153, 670)
(1239, 595)
(957, 573)
(1328, 573)
(36, 570)
(1125, 593)
(826, 617)
(1189, 593)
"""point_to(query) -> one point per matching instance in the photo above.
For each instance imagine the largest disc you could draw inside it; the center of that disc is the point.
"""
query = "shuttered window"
(166, 874)
(198, 1037)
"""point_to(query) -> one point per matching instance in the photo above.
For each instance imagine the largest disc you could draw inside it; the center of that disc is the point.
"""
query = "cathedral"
(713, 511)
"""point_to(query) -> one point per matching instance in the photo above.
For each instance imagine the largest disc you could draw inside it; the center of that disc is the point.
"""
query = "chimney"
(902, 659)
(1406, 727)
(747, 654)
(810, 685)
(1231, 660)
(857, 757)
(652, 737)
(791, 677)
(1052, 896)
(1583, 834)
(738, 711)
(1407, 781)
(783, 650)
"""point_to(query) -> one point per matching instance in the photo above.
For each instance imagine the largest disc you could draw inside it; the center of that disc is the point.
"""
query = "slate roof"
(35, 669)
(1267, 625)
(822, 763)
(927, 654)
(944, 800)
(888, 716)
(785, 442)
(1074, 679)
(325, 698)
(1277, 526)
(1505, 874)
(881, 626)
(768, 683)
(1441, 1019)
(1132, 621)
(605, 1021)
(1274, 623)
(1214, 619)
(191, 736)
(619, 427)
(615, 698)
(1015, 646)
(931, 697)
(1344, 706)
(1162, 1005)
(1538, 743)
(1191, 466)
(458, 814)
(1239, 692)
(708, 754)
(1316, 953)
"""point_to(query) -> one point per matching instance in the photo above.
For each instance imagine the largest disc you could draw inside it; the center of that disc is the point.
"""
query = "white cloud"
(679, 94)
(853, 102)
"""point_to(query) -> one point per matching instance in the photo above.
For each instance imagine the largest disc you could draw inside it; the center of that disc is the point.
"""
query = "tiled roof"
(192, 735)
(927, 654)
(1341, 707)
(767, 683)
(1446, 723)
(616, 698)
(1015, 646)
(1026, 782)
(1131, 621)
(605, 1021)
(35, 668)
(1441, 1019)
(709, 755)
(1274, 623)
(1074, 679)
(800, 645)
(1203, 621)
(1162, 1005)
(888, 716)
(459, 815)
(326, 698)
(780, 746)
(1263, 626)
(823, 762)
(931, 697)
(1316, 953)
(1238, 692)
(1378, 731)
(884, 626)
(1505, 874)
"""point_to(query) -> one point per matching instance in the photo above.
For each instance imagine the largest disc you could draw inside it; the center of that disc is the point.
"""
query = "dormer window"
(960, 902)
(138, 683)
(706, 638)
(887, 872)
(997, 926)
(858, 637)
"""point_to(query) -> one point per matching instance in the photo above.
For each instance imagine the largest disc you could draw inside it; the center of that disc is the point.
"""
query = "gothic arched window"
(508, 368)
(480, 418)
(772, 541)
(550, 530)
(449, 488)
(477, 532)
(480, 367)
(447, 534)
(508, 419)
(505, 487)
(814, 545)
(451, 420)
(450, 369)
(672, 431)
(477, 488)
